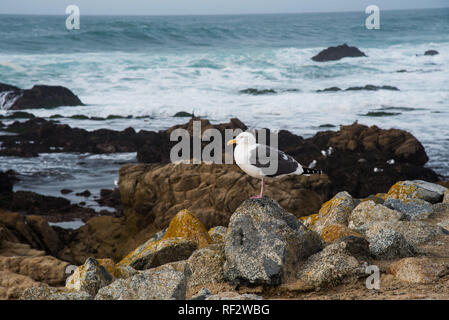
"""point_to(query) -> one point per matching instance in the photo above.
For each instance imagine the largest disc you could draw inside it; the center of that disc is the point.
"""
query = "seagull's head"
(244, 138)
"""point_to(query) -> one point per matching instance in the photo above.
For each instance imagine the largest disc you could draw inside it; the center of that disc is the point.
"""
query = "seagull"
(247, 155)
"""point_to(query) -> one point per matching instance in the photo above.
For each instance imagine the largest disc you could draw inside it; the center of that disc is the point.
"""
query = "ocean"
(159, 65)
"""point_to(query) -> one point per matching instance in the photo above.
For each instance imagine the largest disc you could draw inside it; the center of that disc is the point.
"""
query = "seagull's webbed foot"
(257, 197)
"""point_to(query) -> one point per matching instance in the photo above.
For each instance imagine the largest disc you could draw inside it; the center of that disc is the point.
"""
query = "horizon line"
(209, 14)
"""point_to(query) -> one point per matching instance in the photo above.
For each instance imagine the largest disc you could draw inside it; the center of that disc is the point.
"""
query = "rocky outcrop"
(265, 244)
(51, 293)
(431, 53)
(153, 194)
(337, 53)
(39, 96)
(417, 189)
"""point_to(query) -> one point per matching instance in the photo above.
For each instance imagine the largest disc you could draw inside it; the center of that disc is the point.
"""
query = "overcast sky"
(167, 7)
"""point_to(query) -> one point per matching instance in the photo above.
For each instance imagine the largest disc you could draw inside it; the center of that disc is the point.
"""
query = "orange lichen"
(337, 231)
(186, 225)
(401, 191)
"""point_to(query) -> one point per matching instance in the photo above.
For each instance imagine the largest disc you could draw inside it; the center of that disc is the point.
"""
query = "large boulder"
(418, 270)
(337, 53)
(154, 284)
(334, 211)
(369, 211)
(155, 253)
(417, 189)
(186, 225)
(390, 244)
(39, 96)
(206, 266)
(328, 268)
(412, 209)
(265, 244)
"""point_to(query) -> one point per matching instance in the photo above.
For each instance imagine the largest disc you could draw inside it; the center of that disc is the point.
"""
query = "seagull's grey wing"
(272, 162)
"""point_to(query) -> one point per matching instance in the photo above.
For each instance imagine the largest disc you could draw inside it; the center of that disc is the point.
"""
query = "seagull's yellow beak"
(231, 142)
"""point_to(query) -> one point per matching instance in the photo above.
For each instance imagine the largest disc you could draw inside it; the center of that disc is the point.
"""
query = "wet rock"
(369, 211)
(418, 270)
(206, 266)
(183, 114)
(218, 234)
(265, 243)
(417, 189)
(257, 92)
(370, 87)
(51, 293)
(39, 96)
(413, 209)
(66, 191)
(156, 253)
(431, 53)
(89, 277)
(331, 89)
(337, 53)
(185, 225)
(335, 211)
(161, 284)
(85, 193)
(389, 244)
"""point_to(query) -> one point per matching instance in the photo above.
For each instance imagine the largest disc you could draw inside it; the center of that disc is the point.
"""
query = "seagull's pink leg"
(260, 196)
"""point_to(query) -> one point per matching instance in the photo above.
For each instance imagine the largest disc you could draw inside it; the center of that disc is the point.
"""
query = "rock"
(12, 285)
(161, 284)
(418, 270)
(153, 194)
(336, 232)
(39, 96)
(265, 243)
(35, 265)
(257, 92)
(186, 225)
(356, 246)
(415, 232)
(234, 296)
(201, 295)
(370, 87)
(331, 89)
(446, 197)
(389, 244)
(328, 268)
(183, 114)
(108, 264)
(124, 272)
(413, 209)
(66, 191)
(337, 53)
(50, 293)
(85, 193)
(369, 211)
(156, 253)
(206, 266)
(335, 211)
(417, 189)
(89, 277)
(218, 234)
(431, 53)
(47, 234)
